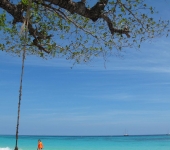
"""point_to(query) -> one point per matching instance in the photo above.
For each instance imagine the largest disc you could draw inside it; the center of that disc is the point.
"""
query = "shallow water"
(156, 142)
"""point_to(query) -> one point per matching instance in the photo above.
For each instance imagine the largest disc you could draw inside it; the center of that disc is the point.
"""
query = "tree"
(78, 30)
(75, 30)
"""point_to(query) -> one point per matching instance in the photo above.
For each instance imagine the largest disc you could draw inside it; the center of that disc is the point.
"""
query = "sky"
(126, 94)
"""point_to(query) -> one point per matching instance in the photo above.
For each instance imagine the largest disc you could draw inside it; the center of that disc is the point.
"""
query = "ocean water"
(154, 142)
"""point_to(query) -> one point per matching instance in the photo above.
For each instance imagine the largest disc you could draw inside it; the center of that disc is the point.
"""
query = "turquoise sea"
(151, 142)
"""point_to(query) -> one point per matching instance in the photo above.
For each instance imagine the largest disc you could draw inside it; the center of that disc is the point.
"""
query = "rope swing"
(20, 95)
(24, 29)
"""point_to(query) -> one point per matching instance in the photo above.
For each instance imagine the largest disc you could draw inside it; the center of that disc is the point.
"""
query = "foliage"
(74, 35)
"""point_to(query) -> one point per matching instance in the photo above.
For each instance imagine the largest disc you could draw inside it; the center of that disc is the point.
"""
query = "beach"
(149, 142)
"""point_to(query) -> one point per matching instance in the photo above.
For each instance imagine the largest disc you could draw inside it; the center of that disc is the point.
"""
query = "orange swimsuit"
(40, 145)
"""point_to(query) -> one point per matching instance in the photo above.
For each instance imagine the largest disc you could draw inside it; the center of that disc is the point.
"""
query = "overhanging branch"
(94, 13)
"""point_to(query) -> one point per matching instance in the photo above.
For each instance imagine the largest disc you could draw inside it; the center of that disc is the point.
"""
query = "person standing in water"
(40, 145)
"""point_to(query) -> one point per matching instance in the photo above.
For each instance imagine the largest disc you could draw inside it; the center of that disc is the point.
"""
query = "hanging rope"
(20, 95)
(24, 29)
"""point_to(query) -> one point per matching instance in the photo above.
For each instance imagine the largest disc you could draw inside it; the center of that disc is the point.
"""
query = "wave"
(6, 148)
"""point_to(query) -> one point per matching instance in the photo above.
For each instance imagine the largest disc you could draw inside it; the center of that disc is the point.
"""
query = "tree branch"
(94, 13)
(114, 30)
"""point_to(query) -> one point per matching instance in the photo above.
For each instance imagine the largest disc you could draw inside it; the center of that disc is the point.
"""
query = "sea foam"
(6, 148)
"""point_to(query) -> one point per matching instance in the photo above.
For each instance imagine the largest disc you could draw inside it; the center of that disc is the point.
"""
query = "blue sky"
(131, 93)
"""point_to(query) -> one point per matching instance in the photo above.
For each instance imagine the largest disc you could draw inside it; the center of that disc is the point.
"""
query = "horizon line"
(86, 135)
